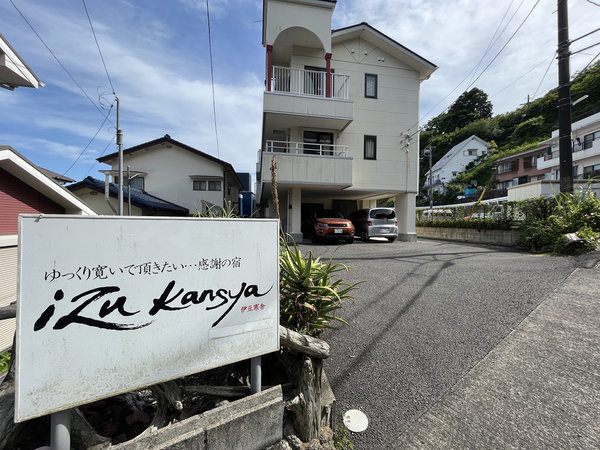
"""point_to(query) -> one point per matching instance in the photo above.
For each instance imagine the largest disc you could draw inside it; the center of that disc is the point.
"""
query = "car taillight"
(369, 223)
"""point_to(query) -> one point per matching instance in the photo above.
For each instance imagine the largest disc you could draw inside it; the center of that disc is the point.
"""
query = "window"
(199, 185)
(591, 171)
(589, 139)
(370, 147)
(315, 143)
(506, 167)
(214, 185)
(370, 85)
(470, 152)
(137, 183)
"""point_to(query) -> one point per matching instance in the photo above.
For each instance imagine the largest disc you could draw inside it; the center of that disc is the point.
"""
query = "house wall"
(458, 162)
(168, 171)
(17, 198)
(290, 15)
(97, 201)
(393, 112)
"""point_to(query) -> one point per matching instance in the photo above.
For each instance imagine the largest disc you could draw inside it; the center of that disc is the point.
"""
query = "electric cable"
(98, 46)
(521, 77)
(99, 156)
(544, 76)
(212, 79)
(91, 140)
(504, 46)
(56, 58)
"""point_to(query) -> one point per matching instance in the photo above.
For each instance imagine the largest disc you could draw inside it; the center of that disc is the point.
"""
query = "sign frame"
(111, 304)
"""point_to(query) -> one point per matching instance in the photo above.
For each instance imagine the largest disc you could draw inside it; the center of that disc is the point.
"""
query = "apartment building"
(340, 116)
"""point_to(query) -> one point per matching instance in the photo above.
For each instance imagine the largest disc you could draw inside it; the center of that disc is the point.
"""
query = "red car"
(329, 224)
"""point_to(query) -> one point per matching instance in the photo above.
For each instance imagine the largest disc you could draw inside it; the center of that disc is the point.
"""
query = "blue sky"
(157, 56)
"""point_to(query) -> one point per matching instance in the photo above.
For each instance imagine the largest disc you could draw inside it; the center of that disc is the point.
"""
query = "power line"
(504, 46)
(98, 46)
(56, 58)
(521, 77)
(91, 140)
(590, 63)
(544, 76)
(101, 154)
(472, 71)
(212, 79)
(492, 40)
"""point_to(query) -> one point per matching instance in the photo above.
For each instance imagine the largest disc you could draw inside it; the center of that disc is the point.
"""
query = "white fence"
(303, 148)
(308, 82)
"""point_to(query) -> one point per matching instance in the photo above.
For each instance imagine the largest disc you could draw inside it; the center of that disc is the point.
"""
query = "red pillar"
(269, 66)
(328, 76)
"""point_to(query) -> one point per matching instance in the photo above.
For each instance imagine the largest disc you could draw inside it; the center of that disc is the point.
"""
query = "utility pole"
(564, 100)
(120, 146)
(428, 151)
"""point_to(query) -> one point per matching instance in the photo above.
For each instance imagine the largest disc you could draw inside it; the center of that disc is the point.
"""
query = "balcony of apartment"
(307, 98)
(298, 163)
(581, 150)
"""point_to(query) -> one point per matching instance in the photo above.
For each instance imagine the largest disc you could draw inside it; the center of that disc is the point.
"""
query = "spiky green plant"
(309, 295)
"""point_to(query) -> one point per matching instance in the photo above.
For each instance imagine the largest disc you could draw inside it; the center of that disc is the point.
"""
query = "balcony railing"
(308, 82)
(302, 148)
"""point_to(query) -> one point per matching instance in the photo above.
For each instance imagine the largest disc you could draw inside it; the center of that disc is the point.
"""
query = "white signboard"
(107, 305)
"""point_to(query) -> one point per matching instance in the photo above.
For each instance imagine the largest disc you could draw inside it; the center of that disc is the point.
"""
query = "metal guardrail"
(308, 82)
(302, 148)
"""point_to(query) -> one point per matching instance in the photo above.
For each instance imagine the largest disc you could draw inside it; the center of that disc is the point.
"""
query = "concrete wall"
(506, 238)
(282, 16)
(546, 188)
(252, 423)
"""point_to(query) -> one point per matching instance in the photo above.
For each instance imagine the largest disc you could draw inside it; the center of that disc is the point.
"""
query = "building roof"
(138, 197)
(57, 177)
(386, 43)
(455, 150)
(17, 165)
(14, 71)
(169, 140)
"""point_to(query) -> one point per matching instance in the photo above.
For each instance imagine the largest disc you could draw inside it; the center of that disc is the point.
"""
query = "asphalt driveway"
(426, 313)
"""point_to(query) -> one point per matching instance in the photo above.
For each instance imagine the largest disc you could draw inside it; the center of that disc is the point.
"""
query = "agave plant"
(308, 295)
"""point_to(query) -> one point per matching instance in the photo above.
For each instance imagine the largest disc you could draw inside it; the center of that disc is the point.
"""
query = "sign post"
(112, 304)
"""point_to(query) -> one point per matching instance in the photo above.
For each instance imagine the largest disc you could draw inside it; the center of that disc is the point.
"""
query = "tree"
(469, 106)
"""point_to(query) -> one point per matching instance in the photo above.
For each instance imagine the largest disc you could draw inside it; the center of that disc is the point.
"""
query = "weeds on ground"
(4, 361)
(341, 438)
(573, 213)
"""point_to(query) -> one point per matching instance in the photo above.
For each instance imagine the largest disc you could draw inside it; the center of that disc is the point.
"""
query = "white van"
(375, 222)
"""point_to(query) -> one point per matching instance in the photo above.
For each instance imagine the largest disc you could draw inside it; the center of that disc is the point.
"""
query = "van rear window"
(382, 214)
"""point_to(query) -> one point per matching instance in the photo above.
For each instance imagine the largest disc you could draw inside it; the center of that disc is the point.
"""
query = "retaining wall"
(507, 238)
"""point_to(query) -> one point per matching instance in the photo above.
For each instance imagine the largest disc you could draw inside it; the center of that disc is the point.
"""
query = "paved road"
(426, 314)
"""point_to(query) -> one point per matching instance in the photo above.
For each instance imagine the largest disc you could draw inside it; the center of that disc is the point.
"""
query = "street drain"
(356, 421)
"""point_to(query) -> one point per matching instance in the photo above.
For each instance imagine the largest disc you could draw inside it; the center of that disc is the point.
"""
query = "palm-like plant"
(308, 295)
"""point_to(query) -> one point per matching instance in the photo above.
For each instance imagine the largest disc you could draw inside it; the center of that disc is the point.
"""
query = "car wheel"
(363, 236)
(392, 239)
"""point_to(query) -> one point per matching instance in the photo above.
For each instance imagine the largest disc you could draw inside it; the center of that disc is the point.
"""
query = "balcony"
(579, 153)
(310, 83)
(300, 96)
(302, 163)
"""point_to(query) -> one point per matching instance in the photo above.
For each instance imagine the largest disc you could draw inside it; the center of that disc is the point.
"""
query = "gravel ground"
(426, 313)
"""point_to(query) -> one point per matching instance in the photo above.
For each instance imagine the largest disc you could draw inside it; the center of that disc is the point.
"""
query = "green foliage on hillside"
(512, 132)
